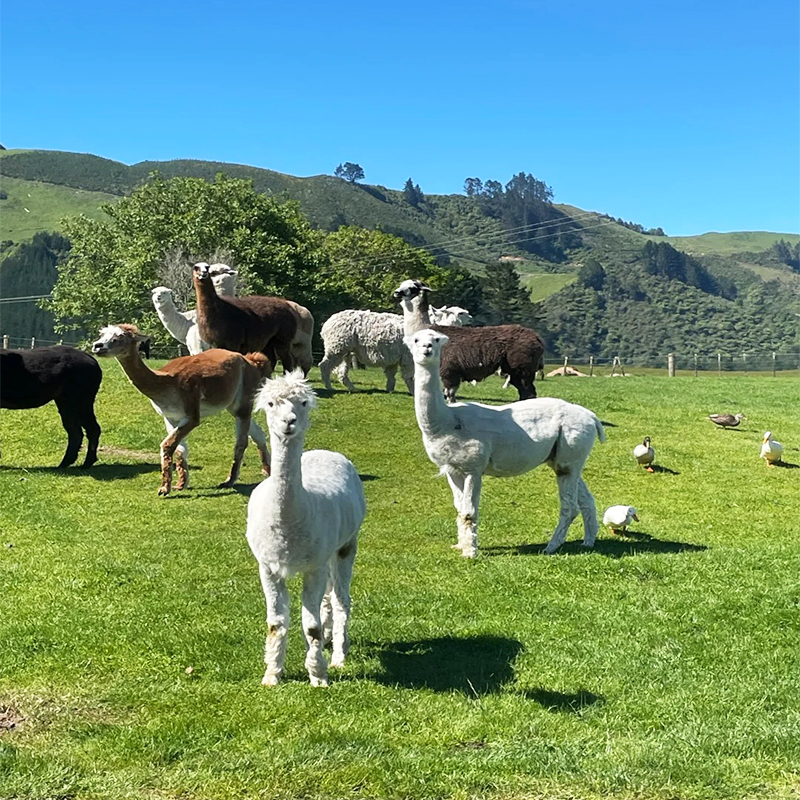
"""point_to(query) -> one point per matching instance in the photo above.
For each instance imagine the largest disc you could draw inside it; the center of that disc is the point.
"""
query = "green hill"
(39, 188)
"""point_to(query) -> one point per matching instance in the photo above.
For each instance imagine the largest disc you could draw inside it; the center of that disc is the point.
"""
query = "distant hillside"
(39, 188)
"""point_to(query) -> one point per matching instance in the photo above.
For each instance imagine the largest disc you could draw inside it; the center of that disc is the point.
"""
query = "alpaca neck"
(433, 413)
(139, 374)
(207, 298)
(417, 317)
(286, 481)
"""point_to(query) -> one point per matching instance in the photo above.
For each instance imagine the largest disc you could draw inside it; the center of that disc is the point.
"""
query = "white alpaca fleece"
(376, 340)
(304, 518)
(469, 440)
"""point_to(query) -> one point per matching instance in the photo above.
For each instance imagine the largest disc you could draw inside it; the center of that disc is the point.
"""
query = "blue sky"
(673, 114)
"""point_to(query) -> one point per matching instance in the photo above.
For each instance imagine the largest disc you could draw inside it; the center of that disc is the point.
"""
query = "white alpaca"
(374, 338)
(304, 518)
(469, 440)
(454, 316)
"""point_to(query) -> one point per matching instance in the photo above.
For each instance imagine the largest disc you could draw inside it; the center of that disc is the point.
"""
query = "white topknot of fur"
(291, 386)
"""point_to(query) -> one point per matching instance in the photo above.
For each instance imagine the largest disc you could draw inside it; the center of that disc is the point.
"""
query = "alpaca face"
(408, 291)
(426, 346)
(161, 295)
(201, 271)
(287, 417)
(114, 340)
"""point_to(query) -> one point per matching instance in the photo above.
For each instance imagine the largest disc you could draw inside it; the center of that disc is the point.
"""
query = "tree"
(115, 262)
(592, 275)
(508, 300)
(350, 172)
(412, 194)
(473, 187)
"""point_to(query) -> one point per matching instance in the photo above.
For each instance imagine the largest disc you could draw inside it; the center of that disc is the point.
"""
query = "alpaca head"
(201, 271)
(161, 295)
(412, 294)
(287, 401)
(426, 346)
(224, 279)
(118, 339)
(455, 315)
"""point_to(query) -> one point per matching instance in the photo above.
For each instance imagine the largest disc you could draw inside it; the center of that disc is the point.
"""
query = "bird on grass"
(619, 517)
(771, 451)
(644, 454)
(727, 420)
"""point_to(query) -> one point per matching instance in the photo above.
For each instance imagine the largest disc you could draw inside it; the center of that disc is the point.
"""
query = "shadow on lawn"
(100, 472)
(573, 703)
(475, 665)
(629, 544)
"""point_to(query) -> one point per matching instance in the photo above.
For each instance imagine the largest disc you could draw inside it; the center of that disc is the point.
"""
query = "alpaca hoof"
(163, 491)
(469, 552)
(270, 680)
(320, 683)
(225, 485)
(337, 662)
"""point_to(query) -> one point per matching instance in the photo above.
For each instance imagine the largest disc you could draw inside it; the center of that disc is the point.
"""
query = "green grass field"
(662, 665)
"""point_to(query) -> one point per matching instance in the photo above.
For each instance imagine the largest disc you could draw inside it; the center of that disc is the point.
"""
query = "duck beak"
(635, 518)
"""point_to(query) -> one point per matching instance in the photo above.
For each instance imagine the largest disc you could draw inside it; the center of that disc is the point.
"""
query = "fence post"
(744, 362)
(695, 365)
(719, 364)
(671, 364)
(5, 341)
(591, 366)
(773, 363)
(33, 342)
(566, 362)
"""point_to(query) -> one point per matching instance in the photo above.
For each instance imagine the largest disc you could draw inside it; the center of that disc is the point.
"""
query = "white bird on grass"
(771, 451)
(644, 454)
(619, 517)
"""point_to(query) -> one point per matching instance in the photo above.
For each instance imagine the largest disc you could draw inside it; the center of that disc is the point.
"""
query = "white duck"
(771, 451)
(619, 517)
(644, 454)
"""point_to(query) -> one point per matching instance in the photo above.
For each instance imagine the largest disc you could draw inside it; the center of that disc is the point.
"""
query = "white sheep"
(469, 440)
(304, 518)
(374, 338)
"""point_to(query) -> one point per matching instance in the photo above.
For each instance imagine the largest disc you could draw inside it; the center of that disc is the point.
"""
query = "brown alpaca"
(244, 324)
(187, 389)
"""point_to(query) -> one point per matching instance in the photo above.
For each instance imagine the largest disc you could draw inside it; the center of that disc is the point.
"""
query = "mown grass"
(662, 665)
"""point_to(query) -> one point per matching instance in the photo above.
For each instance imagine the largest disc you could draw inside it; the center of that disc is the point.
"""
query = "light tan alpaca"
(189, 388)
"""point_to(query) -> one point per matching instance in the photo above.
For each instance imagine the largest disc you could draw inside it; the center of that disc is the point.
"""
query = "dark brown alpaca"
(244, 324)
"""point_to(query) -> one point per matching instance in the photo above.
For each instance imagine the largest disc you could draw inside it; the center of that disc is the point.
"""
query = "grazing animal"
(374, 338)
(727, 420)
(619, 517)
(244, 324)
(304, 518)
(476, 353)
(771, 451)
(470, 440)
(644, 454)
(454, 316)
(70, 377)
(189, 388)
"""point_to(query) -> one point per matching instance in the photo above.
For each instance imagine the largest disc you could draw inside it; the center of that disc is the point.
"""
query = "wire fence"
(678, 364)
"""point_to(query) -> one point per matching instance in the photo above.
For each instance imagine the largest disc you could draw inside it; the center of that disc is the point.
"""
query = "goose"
(727, 420)
(771, 451)
(644, 454)
(619, 517)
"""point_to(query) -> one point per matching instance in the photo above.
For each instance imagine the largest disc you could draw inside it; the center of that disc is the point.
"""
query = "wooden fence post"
(671, 365)
(33, 342)
(773, 363)
(744, 362)
(695, 365)
(719, 363)
(5, 341)
(591, 366)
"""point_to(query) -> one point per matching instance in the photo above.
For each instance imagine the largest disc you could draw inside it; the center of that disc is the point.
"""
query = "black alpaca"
(32, 378)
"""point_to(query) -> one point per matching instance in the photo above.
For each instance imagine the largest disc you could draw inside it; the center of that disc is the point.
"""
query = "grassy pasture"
(662, 665)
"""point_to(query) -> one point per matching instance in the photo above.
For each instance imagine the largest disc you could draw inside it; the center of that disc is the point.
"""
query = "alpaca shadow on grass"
(100, 472)
(474, 666)
(627, 544)
(561, 702)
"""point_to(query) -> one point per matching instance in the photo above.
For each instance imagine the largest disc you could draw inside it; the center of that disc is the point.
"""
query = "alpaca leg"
(181, 461)
(260, 438)
(342, 575)
(326, 614)
(242, 430)
(70, 419)
(567, 495)
(277, 597)
(456, 482)
(468, 516)
(343, 373)
(284, 353)
(314, 584)
(589, 514)
(325, 367)
(390, 373)
(168, 448)
(90, 425)
(408, 378)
